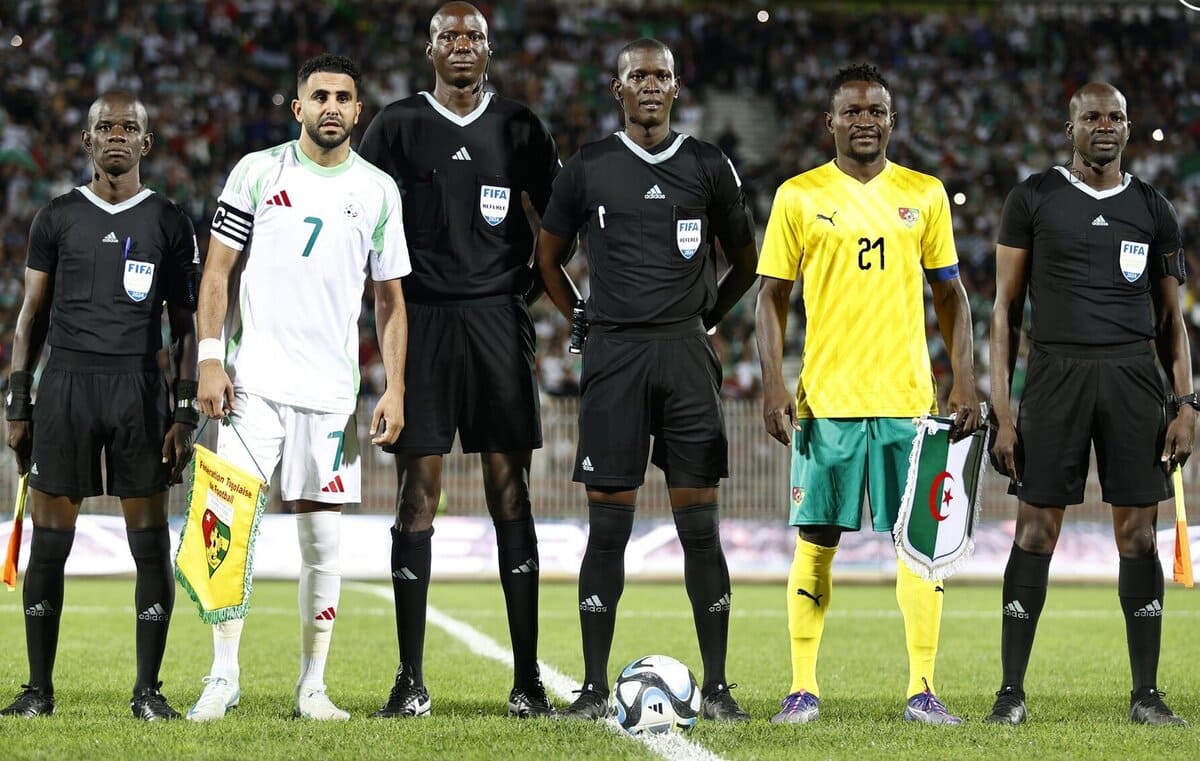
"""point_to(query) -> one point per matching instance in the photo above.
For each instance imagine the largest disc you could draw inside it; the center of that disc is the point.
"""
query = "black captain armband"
(19, 404)
(187, 411)
(1173, 265)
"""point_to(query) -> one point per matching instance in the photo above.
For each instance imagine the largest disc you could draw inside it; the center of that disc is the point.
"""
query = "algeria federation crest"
(909, 215)
(217, 534)
(687, 237)
(493, 203)
(1133, 259)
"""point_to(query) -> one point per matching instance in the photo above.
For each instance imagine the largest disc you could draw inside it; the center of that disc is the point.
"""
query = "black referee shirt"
(113, 265)
(1093, 255)
(461, 178)
(649, 218)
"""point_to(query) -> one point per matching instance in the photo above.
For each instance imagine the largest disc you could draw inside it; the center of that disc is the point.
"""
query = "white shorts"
(318, 450)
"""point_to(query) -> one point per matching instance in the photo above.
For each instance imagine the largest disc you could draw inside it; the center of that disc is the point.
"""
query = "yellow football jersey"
(860, 252)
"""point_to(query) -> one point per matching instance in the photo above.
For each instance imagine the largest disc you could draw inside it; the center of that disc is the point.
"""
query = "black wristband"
(1188, 399)
(186, 389)
(186, 411)
(19, 404)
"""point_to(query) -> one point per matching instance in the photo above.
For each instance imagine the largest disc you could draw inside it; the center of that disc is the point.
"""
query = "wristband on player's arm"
(186, 409)
(19, 405)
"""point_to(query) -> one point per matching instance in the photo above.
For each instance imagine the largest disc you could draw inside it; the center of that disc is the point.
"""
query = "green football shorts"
(838, 462)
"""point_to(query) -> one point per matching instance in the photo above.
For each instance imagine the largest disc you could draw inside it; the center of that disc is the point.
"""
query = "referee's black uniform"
(470, 363)
(1091, 376)
(113, 265)
(650, 219)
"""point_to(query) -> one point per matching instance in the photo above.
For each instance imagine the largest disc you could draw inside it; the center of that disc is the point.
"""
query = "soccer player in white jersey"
(307, 222)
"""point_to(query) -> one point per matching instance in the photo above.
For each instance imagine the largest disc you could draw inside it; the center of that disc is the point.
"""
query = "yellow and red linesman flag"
(1183, 550)
(14, 539)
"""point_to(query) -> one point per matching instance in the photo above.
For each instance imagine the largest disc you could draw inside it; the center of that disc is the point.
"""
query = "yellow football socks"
(810, 587)
(921, 605)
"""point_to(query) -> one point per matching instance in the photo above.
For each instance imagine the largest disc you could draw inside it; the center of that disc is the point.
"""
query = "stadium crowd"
(979, 93)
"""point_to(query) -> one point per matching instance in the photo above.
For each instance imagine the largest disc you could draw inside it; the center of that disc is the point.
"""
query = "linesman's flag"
(935, 528)
(1183, 550)
(13, 555)
(216, 546)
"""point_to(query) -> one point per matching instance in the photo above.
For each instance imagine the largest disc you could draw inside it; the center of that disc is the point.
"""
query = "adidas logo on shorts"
(587, 464)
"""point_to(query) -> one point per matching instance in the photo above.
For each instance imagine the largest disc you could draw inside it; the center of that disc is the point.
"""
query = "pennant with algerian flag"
(1183, 549)
(935, 528)
(13, 555)
(215, 561)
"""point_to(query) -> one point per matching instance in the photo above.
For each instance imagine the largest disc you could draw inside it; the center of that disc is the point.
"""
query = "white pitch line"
(671, 746)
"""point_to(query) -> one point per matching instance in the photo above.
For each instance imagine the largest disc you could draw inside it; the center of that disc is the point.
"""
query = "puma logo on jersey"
(805, 593)
(828, 219)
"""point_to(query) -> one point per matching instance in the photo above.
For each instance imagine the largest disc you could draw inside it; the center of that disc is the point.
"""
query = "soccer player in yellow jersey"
(863, 235)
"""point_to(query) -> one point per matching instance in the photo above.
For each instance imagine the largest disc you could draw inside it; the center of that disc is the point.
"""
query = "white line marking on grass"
(670, 746)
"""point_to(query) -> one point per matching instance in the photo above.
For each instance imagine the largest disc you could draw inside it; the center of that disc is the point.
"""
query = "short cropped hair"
(856, 72)
(338, 64)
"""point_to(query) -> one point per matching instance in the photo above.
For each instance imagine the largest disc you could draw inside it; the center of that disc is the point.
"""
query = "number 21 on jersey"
(865, 256)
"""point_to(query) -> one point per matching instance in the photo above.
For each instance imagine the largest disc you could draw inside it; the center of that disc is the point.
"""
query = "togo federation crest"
(909, 215)
(217, 534)
(493, 203)
(687, 237)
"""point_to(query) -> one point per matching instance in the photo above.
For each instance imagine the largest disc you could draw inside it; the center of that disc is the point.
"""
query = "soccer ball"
(656, 694)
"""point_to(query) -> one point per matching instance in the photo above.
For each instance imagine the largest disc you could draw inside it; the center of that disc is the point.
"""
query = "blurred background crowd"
(980, 88)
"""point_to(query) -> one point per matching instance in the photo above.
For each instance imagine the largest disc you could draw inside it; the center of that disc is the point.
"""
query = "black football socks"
(42, 597)
(153, 599)
(1140, 586)
(516, 542)
(1025, 580)
(706, 576)
(412, 561)
(601, 582)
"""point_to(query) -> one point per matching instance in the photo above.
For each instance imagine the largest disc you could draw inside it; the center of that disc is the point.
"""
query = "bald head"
(118, 100)
(1094, 91)
(451, 12)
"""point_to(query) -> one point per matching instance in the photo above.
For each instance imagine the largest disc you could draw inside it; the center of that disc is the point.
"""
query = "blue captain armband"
(941, 273)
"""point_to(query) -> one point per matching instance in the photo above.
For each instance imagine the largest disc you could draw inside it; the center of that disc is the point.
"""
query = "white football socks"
(320, 586)
(226, 638)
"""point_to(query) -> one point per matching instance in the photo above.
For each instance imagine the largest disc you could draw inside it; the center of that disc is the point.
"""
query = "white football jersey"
(310, 236)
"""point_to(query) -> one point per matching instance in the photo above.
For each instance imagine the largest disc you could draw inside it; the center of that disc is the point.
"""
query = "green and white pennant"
(936, 524)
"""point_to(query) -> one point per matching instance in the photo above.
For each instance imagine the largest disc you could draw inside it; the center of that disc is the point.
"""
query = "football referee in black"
(650, 202)
(1099, 254)
(102, 260)
(464, 158)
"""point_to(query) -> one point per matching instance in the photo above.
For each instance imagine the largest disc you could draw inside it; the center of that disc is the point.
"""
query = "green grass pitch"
(1078, 680)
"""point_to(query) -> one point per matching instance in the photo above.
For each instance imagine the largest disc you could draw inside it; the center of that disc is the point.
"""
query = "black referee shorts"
(88, 404)
(470, 369)
(643, 382)
(1074, 397)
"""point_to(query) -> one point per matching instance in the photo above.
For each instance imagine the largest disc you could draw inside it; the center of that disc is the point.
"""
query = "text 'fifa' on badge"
(1133, 259)
(493, 203)
(688, 236)
(139, 276)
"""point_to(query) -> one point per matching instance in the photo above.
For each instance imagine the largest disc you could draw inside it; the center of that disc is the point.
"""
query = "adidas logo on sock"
(461, 154)
(110, 238)
(720, 605)
(335, 486)
(1100, 221)
(529, 566)
(326, 615)
(1015, 610)
(1152, 609)
(155, 612)
(586, 464)
(593, 605)
(404, 575)
(43, 608)
(654, 193)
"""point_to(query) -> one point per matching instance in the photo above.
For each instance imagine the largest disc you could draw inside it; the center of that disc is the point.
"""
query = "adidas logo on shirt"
(1152, 609)
(655, 193)
(461, 154)
(1015, 610)
(587, 464)
(720, 605)
(334, 487)
(404, 575)
(1100, 221)
(593, 605)
(110, 238)
(279, 199)
(155, 612)
(43, 608)
(529, 566)
(326, 615)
